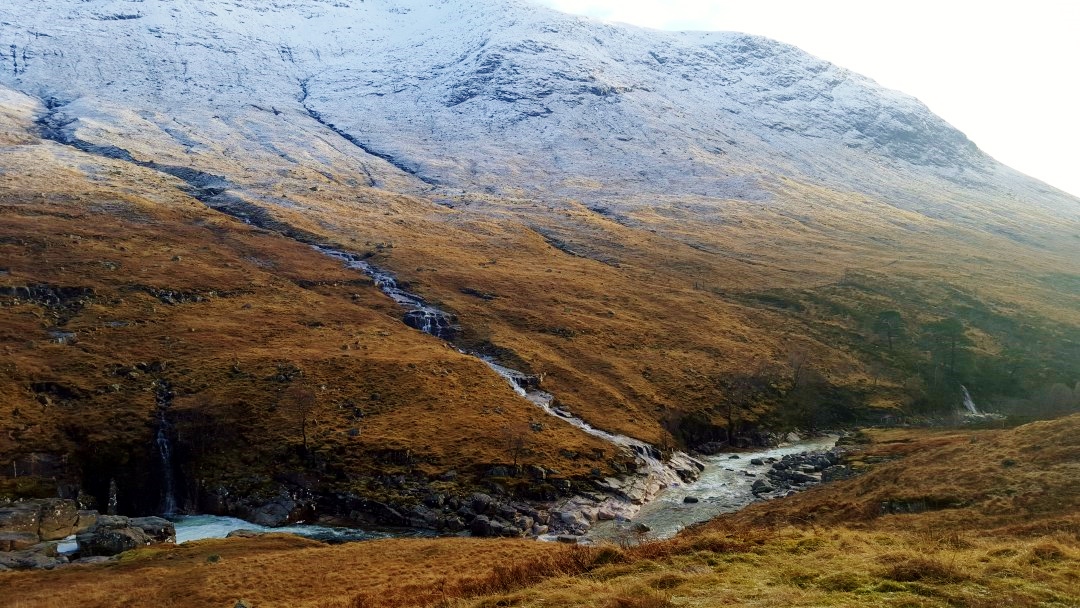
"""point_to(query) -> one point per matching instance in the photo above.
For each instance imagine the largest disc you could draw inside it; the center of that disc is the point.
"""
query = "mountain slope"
(669, 229)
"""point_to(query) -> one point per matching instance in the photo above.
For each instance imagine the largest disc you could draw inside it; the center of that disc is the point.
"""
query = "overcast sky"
(1003, 72)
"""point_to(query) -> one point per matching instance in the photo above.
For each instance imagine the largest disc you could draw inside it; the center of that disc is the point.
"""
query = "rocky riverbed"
(729, 482)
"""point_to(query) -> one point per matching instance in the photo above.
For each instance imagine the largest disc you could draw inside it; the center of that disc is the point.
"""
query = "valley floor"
(941, 518)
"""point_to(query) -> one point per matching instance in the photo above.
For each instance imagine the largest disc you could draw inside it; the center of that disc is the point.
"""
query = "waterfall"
(419, 314)
(429, 319)
(969, 405)
(110, 509)
(164, 447)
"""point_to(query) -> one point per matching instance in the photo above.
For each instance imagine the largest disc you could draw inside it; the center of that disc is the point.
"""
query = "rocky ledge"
(31, 533)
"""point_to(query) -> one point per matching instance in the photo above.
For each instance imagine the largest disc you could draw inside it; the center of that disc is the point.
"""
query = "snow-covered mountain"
(489, 96)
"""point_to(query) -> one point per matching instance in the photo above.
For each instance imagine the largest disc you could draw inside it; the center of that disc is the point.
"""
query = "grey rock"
(273, 514)
(757, 461)
(243, 533)
(567, 538)
(480, 503)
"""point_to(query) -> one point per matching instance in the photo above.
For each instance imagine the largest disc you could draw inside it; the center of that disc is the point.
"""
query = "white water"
(723, 487)
(199, 527)
(643, 452)
(969, 405)
(419, 314)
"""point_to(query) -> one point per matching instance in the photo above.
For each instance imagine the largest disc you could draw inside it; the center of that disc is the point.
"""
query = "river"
(723, 487)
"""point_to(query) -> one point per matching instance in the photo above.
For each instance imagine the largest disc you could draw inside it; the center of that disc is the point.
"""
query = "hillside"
(688, 237)
(1008, 535)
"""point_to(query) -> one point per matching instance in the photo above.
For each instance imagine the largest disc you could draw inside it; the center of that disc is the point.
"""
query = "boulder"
(113, 534)
(690, 499)
(797, 478)
(243, 533)
(566, 538)
(480, 502)
(761, 487)
(483, 525)
(273, 514)
(57, 519)
(29, 560)
(757, 462)
(87, 519)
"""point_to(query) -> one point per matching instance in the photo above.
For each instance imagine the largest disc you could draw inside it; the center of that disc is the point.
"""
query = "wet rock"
(640, 528)
(757, 461)
(798, 477)
(279, 512)
(762, 487)
(568, 539)
(690, 499)
(113, 534)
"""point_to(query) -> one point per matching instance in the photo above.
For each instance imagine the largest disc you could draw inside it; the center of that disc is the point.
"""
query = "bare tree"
(300, 401)
(515, 438)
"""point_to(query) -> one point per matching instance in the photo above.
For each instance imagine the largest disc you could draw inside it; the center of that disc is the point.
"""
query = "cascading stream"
(427, 318)
(168, 487)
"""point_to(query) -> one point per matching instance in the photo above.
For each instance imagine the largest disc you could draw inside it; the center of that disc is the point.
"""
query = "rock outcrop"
(113, 534)
(30, 529)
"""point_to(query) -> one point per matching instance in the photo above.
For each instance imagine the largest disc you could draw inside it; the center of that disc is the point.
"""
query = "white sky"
(1006, 73)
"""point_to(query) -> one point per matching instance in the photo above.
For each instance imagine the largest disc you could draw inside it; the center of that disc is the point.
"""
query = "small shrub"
(1046, 552)
(913, 568)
